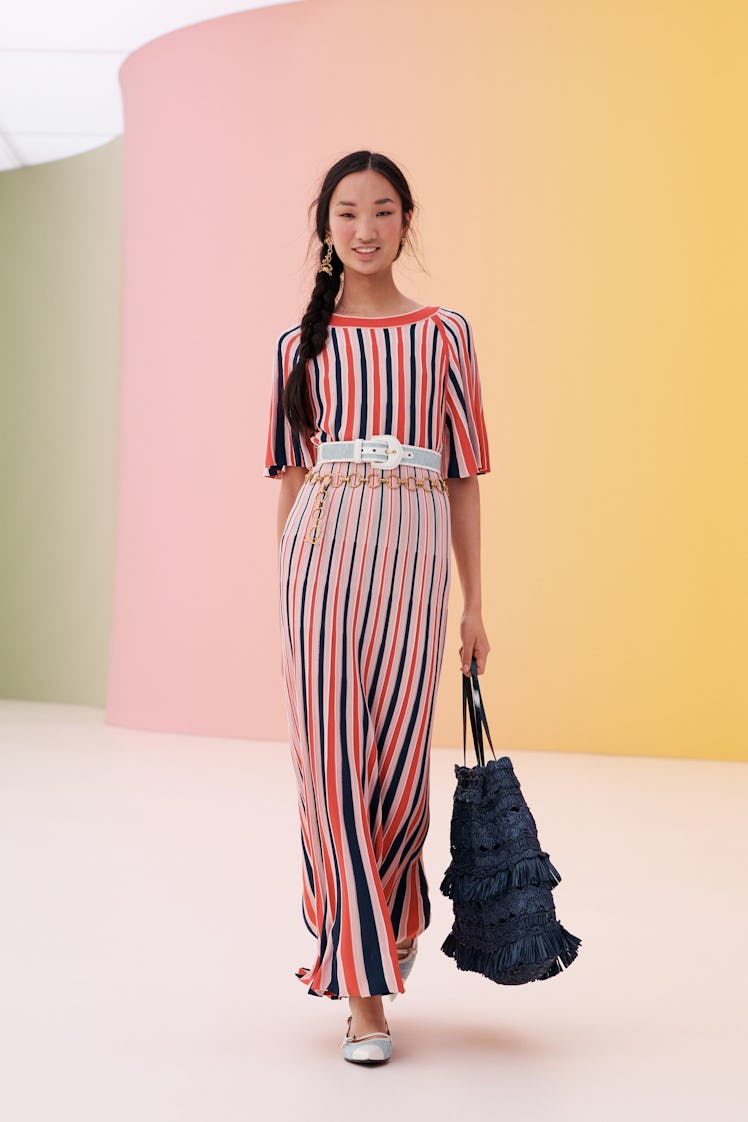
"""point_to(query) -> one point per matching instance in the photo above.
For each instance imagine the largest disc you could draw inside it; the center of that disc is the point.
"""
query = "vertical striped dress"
(364, 573)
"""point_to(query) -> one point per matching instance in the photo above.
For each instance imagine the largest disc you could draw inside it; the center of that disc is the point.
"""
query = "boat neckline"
(338, 319)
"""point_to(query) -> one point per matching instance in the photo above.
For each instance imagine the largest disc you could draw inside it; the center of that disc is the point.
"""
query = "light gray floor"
(151, 927)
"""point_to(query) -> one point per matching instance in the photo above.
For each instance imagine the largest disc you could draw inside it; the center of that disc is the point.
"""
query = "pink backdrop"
(228, 126)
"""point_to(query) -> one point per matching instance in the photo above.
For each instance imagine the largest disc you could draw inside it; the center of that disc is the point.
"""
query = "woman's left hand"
(474, 641)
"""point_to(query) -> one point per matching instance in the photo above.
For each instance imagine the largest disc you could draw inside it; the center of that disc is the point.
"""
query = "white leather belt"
(383, 450)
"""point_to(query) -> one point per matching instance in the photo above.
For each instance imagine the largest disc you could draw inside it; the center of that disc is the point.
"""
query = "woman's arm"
(464, 505)
(291, 481)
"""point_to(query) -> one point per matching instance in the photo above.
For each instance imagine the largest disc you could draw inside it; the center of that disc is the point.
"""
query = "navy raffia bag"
(499, 879)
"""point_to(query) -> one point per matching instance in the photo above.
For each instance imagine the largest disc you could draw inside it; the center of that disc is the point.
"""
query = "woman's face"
(366, 221)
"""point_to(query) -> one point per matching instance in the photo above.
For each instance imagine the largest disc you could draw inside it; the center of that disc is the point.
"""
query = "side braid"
(296, 401)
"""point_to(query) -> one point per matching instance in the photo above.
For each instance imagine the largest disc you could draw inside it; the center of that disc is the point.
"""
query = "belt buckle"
(393, 453)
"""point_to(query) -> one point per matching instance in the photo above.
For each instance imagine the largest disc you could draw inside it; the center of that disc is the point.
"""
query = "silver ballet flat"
(406, 964)
(371, 1048)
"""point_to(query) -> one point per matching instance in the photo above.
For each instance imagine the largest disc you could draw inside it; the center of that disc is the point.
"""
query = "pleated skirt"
(364, 573)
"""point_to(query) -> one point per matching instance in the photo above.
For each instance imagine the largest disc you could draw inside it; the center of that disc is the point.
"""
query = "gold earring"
(326, 266)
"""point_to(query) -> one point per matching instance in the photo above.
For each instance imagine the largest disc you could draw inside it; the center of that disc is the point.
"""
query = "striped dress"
(364, 573)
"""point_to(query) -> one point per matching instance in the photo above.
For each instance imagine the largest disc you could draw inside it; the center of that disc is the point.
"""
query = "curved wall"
(576, 200)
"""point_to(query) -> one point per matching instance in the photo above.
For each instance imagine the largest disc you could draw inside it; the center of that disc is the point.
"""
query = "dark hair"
(296, 403)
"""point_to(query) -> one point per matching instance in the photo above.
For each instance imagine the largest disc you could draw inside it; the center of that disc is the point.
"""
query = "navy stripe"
(363, 424)
(338, 379)
(413, 387)
(453, 467)
(369, 937)
(430, 418)
(388, 387)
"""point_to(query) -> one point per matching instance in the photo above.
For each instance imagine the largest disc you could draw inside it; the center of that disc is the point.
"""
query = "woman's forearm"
(464, 503)
(464, 508)
(291, 482)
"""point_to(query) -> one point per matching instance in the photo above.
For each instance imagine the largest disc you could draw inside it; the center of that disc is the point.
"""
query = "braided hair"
(314, 324)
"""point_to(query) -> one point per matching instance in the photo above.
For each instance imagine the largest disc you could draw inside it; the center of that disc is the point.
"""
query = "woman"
(364, 530)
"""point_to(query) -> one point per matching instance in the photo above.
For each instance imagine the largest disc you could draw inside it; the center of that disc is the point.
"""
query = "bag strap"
(472, 701)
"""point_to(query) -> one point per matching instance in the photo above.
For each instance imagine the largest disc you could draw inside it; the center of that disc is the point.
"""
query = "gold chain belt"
(327, 479)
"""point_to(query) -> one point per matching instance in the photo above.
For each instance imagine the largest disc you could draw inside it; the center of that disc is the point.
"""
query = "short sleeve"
(285, 448)
(465, 440)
